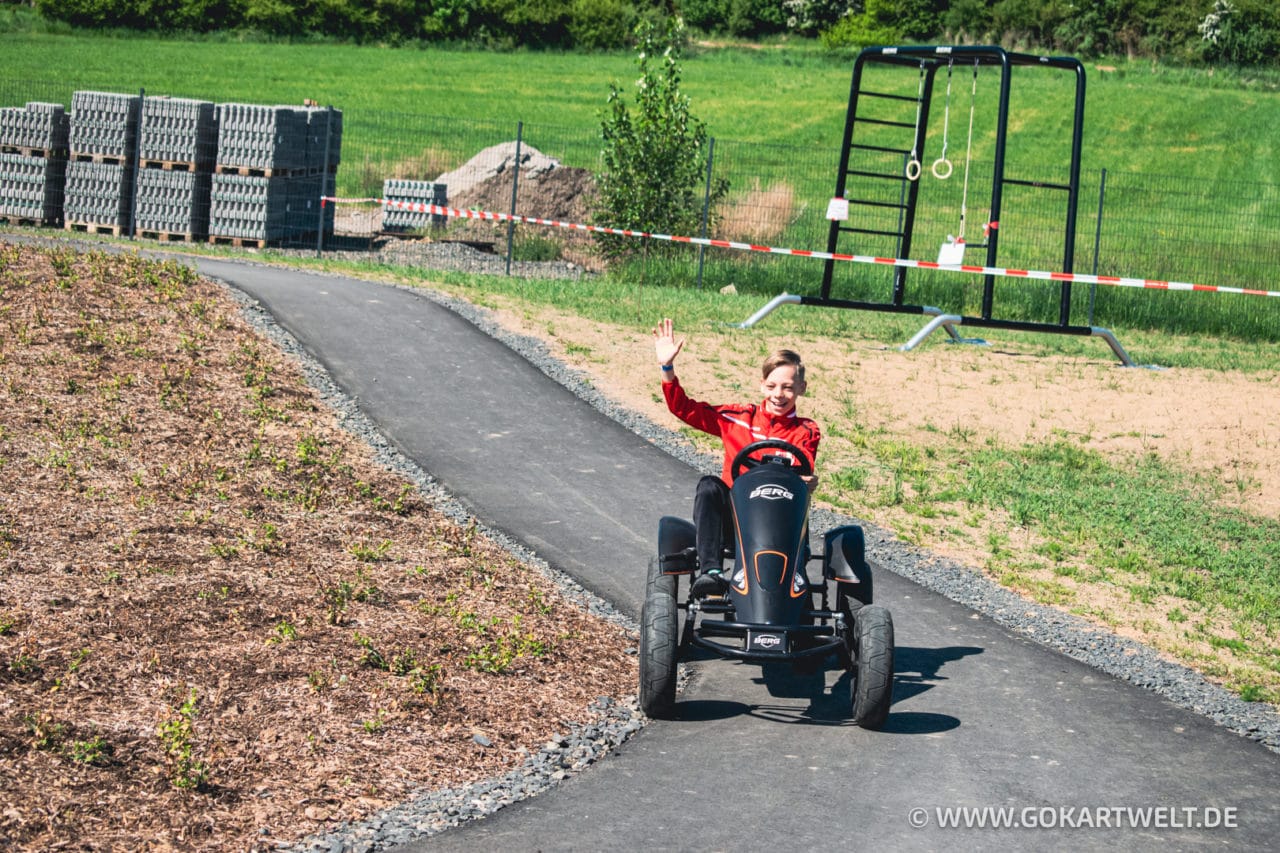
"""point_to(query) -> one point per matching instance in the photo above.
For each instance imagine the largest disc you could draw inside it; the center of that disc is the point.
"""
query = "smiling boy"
(737, 425)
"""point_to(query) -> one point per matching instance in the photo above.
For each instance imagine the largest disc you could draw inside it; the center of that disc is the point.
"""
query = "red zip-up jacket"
(740, 424)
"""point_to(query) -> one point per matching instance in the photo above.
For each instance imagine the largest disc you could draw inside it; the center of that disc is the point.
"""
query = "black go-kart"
(772, 612)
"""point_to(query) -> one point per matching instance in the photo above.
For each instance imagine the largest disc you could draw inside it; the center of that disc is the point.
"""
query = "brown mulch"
(218, 614)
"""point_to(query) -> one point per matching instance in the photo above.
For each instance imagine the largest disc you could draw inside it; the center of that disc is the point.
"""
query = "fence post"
(1097, 241)
(515, 191)
(137, 167)
(706, 204)
(324, 181)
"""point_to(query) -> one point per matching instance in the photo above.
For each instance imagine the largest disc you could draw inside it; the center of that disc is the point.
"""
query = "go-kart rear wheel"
(872, 666)
(659, 642)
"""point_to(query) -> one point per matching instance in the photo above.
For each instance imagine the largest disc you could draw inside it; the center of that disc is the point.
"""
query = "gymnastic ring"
(939, 173)
(913, 169)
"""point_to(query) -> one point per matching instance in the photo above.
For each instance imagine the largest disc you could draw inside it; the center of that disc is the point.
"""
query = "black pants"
(712, 521)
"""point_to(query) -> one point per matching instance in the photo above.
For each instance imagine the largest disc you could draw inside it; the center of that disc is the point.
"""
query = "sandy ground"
(1224, 425)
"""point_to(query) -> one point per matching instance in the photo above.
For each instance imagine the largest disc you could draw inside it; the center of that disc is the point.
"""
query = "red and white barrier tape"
(1078, 278)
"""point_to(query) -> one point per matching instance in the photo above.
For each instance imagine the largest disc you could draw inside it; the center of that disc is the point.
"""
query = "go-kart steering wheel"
(745, 460)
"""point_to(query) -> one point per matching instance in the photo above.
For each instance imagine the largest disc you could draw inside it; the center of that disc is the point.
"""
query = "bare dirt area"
(222, 624)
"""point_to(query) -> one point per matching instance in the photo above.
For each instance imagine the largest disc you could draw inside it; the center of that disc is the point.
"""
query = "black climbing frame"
(895, 210)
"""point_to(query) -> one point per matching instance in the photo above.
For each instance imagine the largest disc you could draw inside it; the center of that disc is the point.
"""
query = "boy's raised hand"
(665, 345)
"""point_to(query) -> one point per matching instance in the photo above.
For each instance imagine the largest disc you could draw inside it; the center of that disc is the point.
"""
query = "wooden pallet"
(168, 236)
(238, 242)
(20, 220)
(169, 165)
(108, 159)
(255, 172)
(95, 228)
(27, 151)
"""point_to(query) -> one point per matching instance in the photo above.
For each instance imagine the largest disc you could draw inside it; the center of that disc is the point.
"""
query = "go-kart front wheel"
(659, 642)
(872, 666)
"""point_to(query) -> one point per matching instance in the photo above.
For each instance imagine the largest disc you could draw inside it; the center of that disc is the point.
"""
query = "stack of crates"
(271, 172)
(397, 220)
(33, 162)
(100, 173)
(324, 153)
(177, 149)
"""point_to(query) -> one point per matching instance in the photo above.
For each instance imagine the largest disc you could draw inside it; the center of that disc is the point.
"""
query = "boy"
(737, 425)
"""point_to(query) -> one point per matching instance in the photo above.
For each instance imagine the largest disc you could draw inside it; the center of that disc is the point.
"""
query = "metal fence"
(1144, 225)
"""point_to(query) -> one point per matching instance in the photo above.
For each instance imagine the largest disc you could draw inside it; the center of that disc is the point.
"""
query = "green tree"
(654, 157)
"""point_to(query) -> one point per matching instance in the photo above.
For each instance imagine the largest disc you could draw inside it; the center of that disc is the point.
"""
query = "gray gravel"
(614, 722)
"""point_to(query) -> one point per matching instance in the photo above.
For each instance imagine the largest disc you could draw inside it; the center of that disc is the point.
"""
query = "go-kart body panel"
(768, 585)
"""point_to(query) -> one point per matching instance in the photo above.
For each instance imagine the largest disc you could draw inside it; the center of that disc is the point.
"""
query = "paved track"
(760, 760)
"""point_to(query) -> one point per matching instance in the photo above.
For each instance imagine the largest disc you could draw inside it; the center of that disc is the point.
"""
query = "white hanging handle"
(942, 166)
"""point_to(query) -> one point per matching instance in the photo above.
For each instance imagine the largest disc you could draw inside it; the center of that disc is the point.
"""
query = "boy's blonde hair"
(780, 357)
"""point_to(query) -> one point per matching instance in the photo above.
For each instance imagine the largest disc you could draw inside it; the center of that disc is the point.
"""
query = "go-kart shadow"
(915, 671)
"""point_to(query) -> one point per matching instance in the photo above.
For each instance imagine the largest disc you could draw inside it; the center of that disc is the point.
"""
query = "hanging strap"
(942, 166)
(968, 150)
(913, 162)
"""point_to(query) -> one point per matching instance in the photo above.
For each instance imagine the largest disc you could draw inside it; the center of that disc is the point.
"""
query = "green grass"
(1148, 520)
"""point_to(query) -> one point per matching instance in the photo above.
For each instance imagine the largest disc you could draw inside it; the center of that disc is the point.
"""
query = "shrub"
(655, 158)
(601, 24)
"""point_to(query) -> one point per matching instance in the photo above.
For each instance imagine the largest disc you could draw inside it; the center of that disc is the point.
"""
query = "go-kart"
(771, 612)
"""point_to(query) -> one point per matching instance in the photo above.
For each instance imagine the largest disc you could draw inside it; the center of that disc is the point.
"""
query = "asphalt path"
(758, 759)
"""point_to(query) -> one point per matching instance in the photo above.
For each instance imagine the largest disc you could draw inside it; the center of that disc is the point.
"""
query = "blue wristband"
(667, 368)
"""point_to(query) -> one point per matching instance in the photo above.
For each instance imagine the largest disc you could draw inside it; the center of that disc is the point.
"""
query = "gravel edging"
(613, 722)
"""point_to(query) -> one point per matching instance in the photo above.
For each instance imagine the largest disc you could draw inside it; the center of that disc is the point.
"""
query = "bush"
(887, 22)
(602, 24)
(705, 15)
(859, 31)
(655, 158)
(751, 18)
(1241, 32)
(744, 18)
(809, 17)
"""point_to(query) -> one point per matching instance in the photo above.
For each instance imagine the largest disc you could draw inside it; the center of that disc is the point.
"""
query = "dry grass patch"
(759, 213)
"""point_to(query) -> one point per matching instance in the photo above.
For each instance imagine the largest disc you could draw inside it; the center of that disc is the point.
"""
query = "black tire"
(659, 642)
(658, 582)
(872, 666)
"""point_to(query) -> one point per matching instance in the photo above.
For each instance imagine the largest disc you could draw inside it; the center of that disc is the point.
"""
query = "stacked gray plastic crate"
(33, 162)
(274, 163)
(398, 219)
(103, 140)
(324, 153)
(177, 148)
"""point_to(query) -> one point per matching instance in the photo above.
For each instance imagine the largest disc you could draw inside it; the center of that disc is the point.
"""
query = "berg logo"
(771, 493)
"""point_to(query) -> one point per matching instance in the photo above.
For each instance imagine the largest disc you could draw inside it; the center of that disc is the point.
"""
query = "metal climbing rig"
(883, 164)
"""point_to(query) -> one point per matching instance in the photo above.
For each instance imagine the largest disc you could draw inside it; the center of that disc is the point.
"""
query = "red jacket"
(740, 424)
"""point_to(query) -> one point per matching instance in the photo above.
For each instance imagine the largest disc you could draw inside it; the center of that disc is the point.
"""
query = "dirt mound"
(562, 193)
(496, 160)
